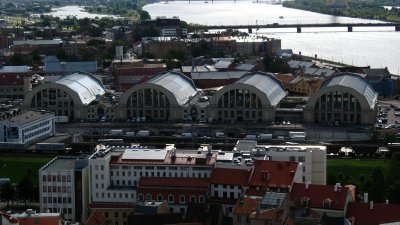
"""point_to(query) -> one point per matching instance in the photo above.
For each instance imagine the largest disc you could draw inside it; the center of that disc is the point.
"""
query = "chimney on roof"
(387, 201)
(371, 205)
(365, 197)
(29, 212)
(337, 187)
(307, 185)
(173, 155)
(209, 149)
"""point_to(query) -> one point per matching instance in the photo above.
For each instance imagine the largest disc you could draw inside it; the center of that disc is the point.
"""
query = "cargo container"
(118, 132)
(143, 133)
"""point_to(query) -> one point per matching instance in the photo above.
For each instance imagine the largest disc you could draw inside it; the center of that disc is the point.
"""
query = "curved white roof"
(85, 85)
(178, 84)
(355, 82)
(267, 84)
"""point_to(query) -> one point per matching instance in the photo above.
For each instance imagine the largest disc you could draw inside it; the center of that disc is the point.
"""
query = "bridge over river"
(300, 26)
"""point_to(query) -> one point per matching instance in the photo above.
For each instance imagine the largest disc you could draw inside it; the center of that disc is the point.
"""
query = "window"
(141, 197)
(201, 199)
(44, 177)
(148, 197)
(301, 158)
(327, 203)
(159, 197)
(193, 199)
(170, 198)
(304, 201)
(292, 158)
(181, 199)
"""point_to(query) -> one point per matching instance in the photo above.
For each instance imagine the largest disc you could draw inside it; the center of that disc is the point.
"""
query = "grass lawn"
(354, 167)
(16, 166)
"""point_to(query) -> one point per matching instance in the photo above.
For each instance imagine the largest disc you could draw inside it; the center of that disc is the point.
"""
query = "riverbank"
(353, 9)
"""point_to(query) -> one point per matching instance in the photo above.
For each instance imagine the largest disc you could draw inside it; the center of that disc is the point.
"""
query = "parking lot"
(388, 116)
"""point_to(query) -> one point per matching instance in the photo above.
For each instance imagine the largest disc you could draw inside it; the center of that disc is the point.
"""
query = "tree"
(17, 60)
(62, 55)
(144, 15)
(25, 189)
(377, 187)
(331, 179)
(7, 193)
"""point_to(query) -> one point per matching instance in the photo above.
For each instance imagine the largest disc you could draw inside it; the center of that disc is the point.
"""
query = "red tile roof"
(381, 213)
(8, 217)
(96, 218)
(316, 83)
(111, 206)
(247, 205)
(284, 78)
(230, 176)
(269, 214)
(173, 182)
(317, 194)
(274, 174)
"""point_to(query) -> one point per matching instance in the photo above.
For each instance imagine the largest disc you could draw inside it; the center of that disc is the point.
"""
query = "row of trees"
(380, 184)
(356, 8)
(24, 190)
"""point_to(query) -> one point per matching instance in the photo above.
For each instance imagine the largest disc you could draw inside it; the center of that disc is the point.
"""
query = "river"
(77, 11)
(377, 47)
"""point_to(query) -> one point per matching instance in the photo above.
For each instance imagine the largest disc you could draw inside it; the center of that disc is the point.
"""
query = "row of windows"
(59, 200)
(299, 158)
(239, 98)
(182, 198)
(33, 134)
(156, 174)
(183, 168)
(120, 195)
(56, 178)
(44, 123)
(59, 189)
(58, 210)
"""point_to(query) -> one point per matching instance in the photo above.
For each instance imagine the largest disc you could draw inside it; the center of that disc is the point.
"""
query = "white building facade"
(27, 128)
(63, 187)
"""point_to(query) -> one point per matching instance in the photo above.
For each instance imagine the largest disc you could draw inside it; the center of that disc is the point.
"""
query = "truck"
(219, 134)
(250, 137)
(130, 133)
(61, 119)
(143, 133)
(297, 136)
(117, 132)
(186, 135)
(265, 136)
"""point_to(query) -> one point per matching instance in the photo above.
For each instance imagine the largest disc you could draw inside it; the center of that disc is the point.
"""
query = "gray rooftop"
(178, 84)
(38, 42)
(355, 82)
(85, 85)
(14, 69)
(53, 65)
(295, 64)
(27, 117)
(245, 67)
(266, 83)
(222, 64)
(62, 164)
(218, 75)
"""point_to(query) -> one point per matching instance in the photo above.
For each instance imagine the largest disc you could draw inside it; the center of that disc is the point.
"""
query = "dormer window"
(305, 201)
(327, 203)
